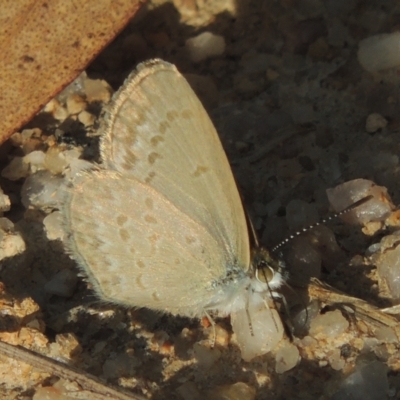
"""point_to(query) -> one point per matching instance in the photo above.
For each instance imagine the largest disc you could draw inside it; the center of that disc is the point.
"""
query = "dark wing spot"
(152, 157)
(155, 140)
(200, 170)
(121, 219)
(124, 235)
(150, 219)
(187, 114)
(172, 115)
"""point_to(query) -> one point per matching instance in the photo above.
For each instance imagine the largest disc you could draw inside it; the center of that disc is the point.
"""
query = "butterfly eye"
(265, 273)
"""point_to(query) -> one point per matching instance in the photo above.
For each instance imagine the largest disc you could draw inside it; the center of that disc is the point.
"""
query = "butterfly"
(160, 224)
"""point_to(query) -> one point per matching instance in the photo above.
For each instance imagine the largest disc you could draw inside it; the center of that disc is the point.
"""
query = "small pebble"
(375, 209)
(5, 203)
(16, 139)
(86, 118)
(335, 360)
(380, 52)
(11, 244)
(97, 90)
(55, 161)
(36, 160)
(75, 103)
(16, 169)
(286, 358)
(375, 122)
(51, 106)
(66, 345)
(328, 325)
(205, 45)
(52, 224)
(40, 190)
(265, 332)
(60, 113)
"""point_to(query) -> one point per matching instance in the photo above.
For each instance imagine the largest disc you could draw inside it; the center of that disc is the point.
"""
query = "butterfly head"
(268, 269)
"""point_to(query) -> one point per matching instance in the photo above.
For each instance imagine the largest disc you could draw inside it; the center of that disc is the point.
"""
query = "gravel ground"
(297, 114)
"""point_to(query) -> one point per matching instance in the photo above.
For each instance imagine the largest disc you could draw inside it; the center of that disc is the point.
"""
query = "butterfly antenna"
(252, 230)
(323, 221)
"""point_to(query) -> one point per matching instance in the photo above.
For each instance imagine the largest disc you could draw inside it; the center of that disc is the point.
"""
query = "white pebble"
(52, 224)
(11, 245)
(60, 113)
(30, 133)
(375, 209)
(5, 202)
(35, 159)
(40, 190)
(55, 161)
(335, 360)
(328, 325)
(97, 90)
(12, 242)
(264, 333)
(86, 118)
(204, 46)
(51, 106)
(286, 358)
(75, 103)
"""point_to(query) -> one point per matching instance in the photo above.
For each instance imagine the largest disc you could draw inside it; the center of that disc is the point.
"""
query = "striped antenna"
(323, 221)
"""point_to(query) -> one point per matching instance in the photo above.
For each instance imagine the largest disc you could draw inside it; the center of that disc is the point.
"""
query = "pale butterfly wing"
(136, 246)
(158, 132)
(162, 226)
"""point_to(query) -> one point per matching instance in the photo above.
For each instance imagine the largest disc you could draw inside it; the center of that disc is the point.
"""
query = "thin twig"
(67, 372)
(370, 314)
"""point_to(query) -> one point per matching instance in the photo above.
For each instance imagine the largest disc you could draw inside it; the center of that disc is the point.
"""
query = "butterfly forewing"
(158, 132)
